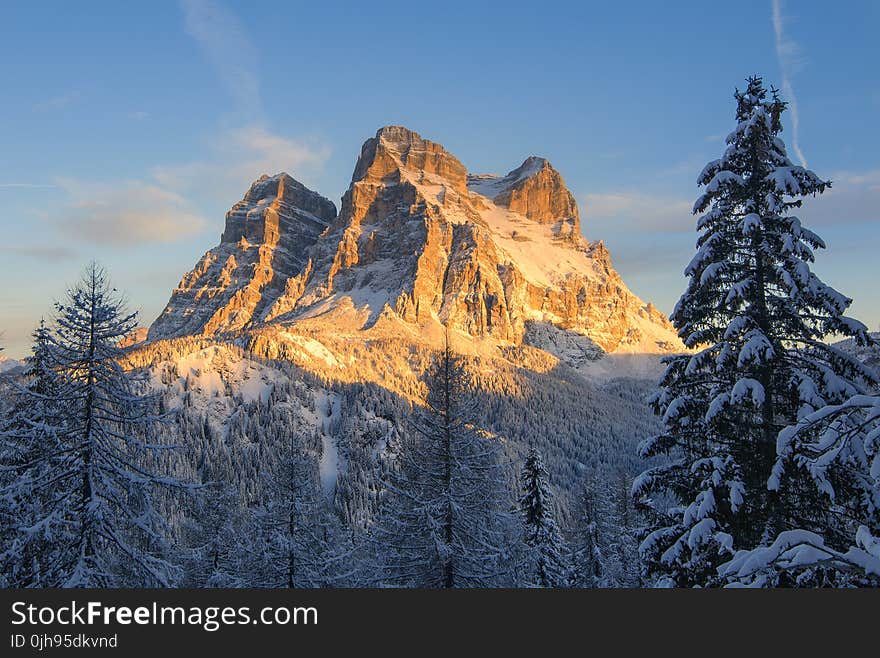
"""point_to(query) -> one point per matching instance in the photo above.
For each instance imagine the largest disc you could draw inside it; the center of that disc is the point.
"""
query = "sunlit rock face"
(536, 190)
(418, 243)
(264, 245)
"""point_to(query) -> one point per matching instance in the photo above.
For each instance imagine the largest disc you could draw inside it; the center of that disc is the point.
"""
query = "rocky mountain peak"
(274, 199)
(417, 244)
(535, 190)
(264, 244)
(396, 148)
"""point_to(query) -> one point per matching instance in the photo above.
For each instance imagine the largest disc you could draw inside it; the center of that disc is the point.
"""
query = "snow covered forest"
(221, 461)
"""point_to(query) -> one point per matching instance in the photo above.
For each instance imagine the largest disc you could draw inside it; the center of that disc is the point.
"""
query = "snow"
(717, 406)
(645, 366)
(756, 349)
(798, 548)
(701, 532)
(491, 185)
(747, 388)
(784, 181)
(724, 178)
(311, 348)
(487, 185)
(254, 387)
(206, 375)
(867, 541)
(751, 223)
(328, 467)
(568, 346)
(534, 249)
(197, 369)
(7, 364)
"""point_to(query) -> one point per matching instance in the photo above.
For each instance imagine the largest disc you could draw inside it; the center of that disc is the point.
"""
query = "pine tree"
(216, 550)
(29, 451)
(96, 515)
(542, 535)
(589, 537)
(755, 317)
(604, 547)
(829, 460)
(296, 534)
(444, 521)
(622, 566)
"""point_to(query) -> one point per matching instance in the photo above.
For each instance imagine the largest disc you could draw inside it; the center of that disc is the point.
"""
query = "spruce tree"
(754, 317)
(828, 464)
(591, 533)
(216, 549)
(444, 521)
(604, 545)
(295, 532)
(542, 536)
(623, 566)
(96, 510)
(29, 452)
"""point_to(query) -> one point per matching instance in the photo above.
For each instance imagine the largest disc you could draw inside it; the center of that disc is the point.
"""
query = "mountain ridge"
(417, 241)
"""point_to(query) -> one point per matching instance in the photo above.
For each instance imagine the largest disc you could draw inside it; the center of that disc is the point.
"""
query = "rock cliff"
(418, 242)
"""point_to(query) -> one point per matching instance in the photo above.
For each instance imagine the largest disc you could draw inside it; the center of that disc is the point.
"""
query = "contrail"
(25, 185)
(786, 54)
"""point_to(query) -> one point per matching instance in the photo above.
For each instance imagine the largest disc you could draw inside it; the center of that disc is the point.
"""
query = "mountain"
(418, 243)
(319, 322)
(869, 355)
(264, 245)
(8, 365)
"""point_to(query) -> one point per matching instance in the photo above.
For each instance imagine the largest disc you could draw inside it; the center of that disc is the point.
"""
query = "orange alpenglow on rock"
(417, 244)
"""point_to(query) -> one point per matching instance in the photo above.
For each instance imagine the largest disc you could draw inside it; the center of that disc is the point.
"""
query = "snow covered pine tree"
(28, 452)
(295, 526)
(217, 545)
(755, 316)
(591, 535)
(830, 460)
(604, 541)
(444, 521)
(539, 525)
(93, 512)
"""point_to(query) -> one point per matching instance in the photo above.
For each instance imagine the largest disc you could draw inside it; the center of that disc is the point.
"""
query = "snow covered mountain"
(322, 323)
(7, 364)
(264, 245)
(418, 243)
(869, 355)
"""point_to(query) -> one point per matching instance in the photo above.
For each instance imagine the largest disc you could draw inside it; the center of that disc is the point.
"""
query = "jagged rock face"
(536, 190)
(395, 148)
(419, 241)
(263, 247)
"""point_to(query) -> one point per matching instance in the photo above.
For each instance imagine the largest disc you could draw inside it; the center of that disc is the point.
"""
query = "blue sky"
(128, 129)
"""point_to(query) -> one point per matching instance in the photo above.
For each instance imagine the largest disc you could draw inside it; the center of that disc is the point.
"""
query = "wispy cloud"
(160, 206)
(789, 57)
(227, 46)
(26, 186)
(717, 137)
(126, 214)
(239, 156)
(853, 199)
(57, 102)
(870, 179)
(625, 211)
(41, 252)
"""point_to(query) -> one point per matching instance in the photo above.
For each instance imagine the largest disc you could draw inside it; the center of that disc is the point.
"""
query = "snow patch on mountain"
(7, 364)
